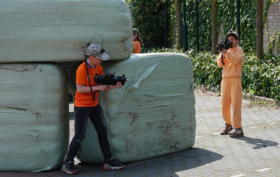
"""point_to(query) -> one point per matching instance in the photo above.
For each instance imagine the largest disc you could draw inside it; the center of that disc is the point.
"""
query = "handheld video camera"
(109, 79)
(226, 45)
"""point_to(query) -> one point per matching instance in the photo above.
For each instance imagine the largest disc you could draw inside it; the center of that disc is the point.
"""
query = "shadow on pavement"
(167, 165)
(162, 166)
(53, 173)
(258, 142)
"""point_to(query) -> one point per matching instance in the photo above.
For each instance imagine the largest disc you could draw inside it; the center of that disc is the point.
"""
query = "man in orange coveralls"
(231, 87)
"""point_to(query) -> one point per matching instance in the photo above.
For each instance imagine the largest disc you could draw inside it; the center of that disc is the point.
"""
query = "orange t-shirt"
(85, 99)
(136, 47)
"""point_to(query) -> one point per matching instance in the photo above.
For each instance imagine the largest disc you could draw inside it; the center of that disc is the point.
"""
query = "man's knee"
(79, 137)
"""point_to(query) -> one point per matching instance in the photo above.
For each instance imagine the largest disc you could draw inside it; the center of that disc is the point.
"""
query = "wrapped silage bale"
(58, 30)
(153, 114)
(34, 123)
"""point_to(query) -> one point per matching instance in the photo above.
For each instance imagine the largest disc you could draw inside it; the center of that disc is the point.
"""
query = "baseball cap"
(96, 50)
(231, 32)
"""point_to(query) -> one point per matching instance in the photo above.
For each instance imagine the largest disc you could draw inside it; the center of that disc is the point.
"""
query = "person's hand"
(223, 51)
(119, 84)
(108, 87)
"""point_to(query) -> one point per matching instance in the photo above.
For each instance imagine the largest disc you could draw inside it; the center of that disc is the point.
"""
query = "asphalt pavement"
(255, 154)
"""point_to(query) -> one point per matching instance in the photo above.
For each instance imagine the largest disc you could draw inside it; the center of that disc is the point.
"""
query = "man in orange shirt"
(231, 87)
(86, 106)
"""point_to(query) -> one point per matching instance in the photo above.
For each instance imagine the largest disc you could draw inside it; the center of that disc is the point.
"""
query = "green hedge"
(259, 77)
(148, 17)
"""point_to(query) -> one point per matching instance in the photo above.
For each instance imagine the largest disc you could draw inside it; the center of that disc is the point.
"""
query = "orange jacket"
(136, 47)
(232, 62)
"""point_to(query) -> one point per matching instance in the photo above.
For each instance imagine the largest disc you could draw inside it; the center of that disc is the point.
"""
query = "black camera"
(226, 45)
(109, 79)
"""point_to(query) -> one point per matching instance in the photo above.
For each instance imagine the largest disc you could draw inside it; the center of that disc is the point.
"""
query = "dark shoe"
(238, 132)
(226, 129)
(112, 164)
(69, 168)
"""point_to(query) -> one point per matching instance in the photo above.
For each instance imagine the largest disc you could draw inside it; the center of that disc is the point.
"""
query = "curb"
(246, 96)
(259, 98)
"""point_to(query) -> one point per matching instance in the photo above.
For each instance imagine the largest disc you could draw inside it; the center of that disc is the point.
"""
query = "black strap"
(223, 59)
(93, 95)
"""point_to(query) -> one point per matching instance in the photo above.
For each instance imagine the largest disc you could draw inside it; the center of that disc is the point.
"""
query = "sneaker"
(112, 164)
(226, 129)
(238, 132)
(69, 168)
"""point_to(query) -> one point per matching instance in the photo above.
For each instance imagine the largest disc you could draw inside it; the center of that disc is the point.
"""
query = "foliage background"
(227, 12)
(148, 17)
(259, 77)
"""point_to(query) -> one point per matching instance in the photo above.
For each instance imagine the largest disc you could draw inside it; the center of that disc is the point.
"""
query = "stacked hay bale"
(41, 31)
(34, 129)
(34, 126)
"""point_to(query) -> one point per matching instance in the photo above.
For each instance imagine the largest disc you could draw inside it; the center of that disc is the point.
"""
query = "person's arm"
(236, 57)
(86, 89)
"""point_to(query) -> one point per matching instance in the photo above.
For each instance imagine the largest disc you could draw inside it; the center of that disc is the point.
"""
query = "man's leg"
(236, 94)
(81, 125)
(226, 100)
(96, 117)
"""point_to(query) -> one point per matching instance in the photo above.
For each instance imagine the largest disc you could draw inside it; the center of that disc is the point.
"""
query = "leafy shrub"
(262, 77)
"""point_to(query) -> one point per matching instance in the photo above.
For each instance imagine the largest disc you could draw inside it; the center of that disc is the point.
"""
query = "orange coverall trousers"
(231, 95)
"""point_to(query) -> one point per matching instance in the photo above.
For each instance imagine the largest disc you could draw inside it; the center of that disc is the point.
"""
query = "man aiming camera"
(231, 87)
(86, 106)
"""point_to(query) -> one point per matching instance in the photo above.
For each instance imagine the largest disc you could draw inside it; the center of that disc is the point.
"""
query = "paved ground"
(255, 154)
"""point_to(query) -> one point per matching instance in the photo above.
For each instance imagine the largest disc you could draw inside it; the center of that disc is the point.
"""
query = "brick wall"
(273, 19)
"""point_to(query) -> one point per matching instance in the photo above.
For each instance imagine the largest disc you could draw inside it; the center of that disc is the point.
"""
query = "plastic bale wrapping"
(34, 123)
(58, 30)
(152, 115)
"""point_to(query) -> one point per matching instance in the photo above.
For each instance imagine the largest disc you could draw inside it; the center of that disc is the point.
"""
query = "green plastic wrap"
(34, 123)
(152, 115)
(57, 30)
